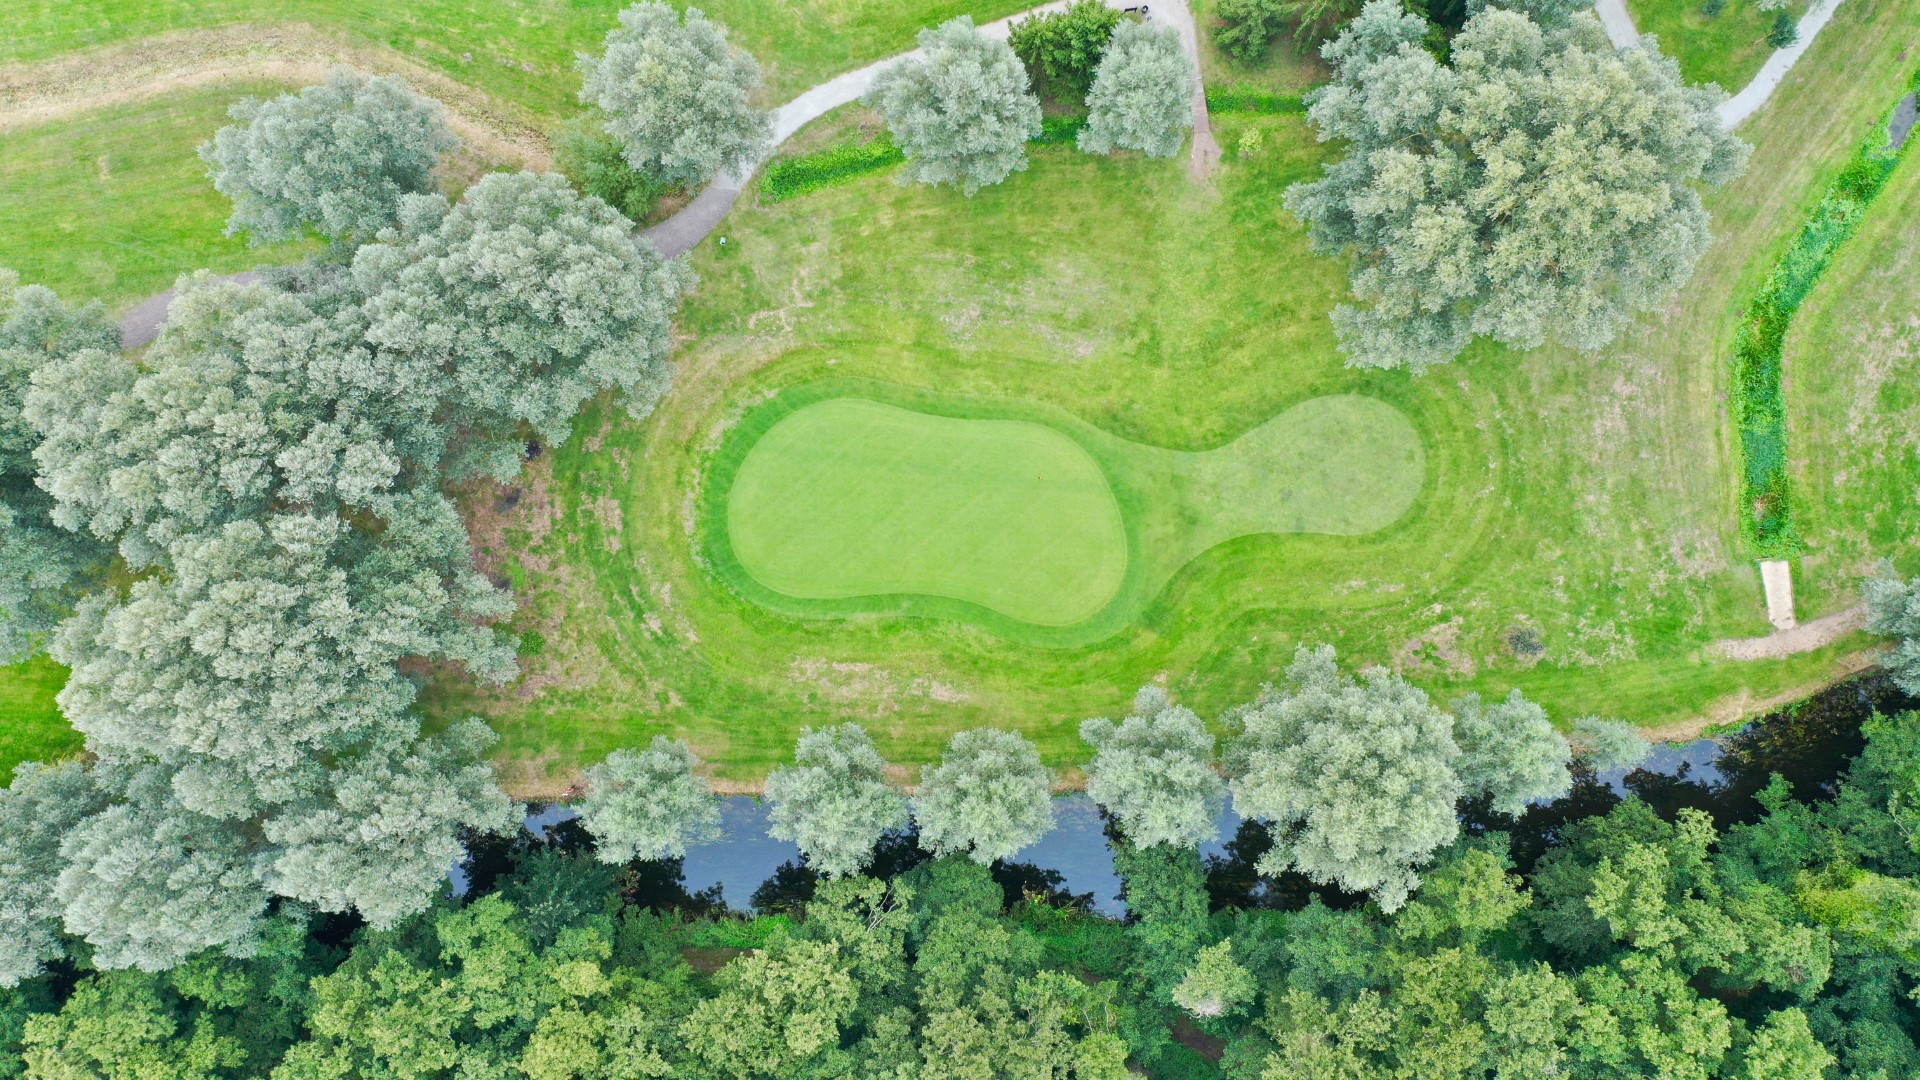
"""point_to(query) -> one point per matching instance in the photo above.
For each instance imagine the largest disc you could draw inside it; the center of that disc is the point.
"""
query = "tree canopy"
(1540, 186)
(1153, 771)
(677, 95)
(962, 112)
(336, 157)
(1064, 46)
(834, 801)
(648, 804)
(1142, 98)
(1510, 752)
(987, 799)
(1355, 779)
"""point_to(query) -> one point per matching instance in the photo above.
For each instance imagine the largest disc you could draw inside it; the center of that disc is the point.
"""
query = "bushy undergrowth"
(1759, 401)
(592, 161)
(1237, 100)
(839, 162)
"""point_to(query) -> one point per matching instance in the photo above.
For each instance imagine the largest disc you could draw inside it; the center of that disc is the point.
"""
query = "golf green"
(869, 498)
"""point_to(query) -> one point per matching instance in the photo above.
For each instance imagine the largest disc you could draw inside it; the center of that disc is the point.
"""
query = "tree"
(1166, 892)
(41, 564)
(676, 95)
(778, 1008)
(1153, 772)
(597, 165)
(124, 1025)
(269, 645)
(1216, 986)
(1783, 1048)
(1247, 27)
(1143, 97)
(962, 112)
(1551, 14)
(648, 804)
(1609, 744)
(1065, 46)
(834, 802)
(1509, 752)
(1355, 779)
(986, 799)
(379, 839)
(37, 811)
(336, 157)
(517, 306)
(1583, 212)
(149, 883)
(1893, 610)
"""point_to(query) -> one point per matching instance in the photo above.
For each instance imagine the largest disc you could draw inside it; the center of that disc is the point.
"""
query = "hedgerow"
(1235, 100)
(842, 161)
(1759, 404)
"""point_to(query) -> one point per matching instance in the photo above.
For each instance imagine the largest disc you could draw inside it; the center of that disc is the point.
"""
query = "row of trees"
(1357, 780)
(1637, 946)
(270, 477)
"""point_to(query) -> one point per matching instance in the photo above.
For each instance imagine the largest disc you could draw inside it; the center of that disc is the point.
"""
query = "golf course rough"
(843, 497)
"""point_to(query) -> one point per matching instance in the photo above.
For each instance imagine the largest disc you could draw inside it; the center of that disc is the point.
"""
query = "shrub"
(1235, 100)
(596, 164)
(1786, 30)
(1064, 47)
(822, 168)
(1247, 27)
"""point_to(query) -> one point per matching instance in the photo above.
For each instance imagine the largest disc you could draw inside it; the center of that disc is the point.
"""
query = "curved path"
(1624, 35)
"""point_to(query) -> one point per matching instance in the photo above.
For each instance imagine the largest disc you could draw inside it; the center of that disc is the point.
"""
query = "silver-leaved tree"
(962, 112)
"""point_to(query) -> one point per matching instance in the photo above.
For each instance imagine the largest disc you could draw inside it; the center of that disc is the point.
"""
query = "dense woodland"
(241, 541)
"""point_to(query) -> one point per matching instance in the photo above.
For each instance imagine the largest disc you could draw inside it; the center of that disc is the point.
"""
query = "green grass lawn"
(1727, 48)
(31, 727)
(520, 51)
(1583, 500)
(1853, 391)
(1020, 518)
(114, 206)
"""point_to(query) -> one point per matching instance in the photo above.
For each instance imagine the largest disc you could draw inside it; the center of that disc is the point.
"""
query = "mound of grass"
(1759, 400)
(1022, 519)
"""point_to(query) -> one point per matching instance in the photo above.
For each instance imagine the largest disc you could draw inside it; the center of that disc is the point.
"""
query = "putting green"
(853, 497)
(845, 498)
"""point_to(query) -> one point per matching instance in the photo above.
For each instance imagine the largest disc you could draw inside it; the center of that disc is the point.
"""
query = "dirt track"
(40, 93)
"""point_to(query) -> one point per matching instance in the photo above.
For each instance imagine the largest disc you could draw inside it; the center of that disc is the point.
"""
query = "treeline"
(1635, 946)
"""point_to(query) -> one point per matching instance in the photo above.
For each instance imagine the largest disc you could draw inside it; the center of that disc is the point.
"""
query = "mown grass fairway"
(1583, 501)
(1040, 520)
(1853, 393)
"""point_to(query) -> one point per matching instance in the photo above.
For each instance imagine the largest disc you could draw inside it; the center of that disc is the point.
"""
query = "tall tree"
(517, 306)
(834, 802)
(1584, 211)
(677, 95)
(648, 804)
(1356, 779)
(1893, 610)
(37, 811)
(336, 157)
(41, 564)
(962, 112)
(1154, 773)
(987, 799)
(1509, 752)
(1143, 97)
(1064, 46)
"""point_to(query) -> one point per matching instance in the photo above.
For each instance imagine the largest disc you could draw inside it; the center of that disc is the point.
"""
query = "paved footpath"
(697, 220)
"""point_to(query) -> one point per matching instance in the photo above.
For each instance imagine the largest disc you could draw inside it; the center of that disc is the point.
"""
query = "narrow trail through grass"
(853, 498)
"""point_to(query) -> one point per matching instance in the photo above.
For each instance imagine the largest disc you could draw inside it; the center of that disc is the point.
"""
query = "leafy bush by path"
(842, 161)
(1264, 102)
(1061, 130)
(1759, 404)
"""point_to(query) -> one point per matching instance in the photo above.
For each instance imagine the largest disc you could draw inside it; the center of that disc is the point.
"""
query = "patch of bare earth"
(40, 93)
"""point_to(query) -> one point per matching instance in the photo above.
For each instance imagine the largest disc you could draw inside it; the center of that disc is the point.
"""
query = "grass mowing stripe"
(1759, 404)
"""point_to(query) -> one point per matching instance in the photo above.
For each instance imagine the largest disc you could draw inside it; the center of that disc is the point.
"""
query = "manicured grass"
(1024, 512)
(1585, 499)
(1853, 376)
(517, 50)
(1727, 48)
(31, 727)
(115, 205)
(851, 497)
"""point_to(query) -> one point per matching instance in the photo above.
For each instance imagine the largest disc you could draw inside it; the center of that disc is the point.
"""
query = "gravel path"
(1805, 637)
(1618, 21)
